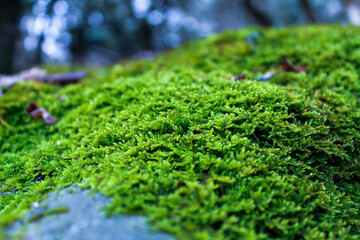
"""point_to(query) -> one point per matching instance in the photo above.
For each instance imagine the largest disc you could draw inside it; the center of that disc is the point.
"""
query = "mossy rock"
(204, 156)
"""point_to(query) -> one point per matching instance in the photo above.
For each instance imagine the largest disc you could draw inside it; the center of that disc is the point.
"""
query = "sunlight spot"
(61, 7)
(30, 42)
(172, 40)
(140, 7)
(95, 19)
(155, 17)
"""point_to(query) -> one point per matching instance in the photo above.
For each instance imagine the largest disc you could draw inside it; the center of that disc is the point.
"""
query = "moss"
(54, 211)
(203, 156)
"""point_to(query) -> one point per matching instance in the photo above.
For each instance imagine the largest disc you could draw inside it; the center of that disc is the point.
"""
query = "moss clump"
(203, 156)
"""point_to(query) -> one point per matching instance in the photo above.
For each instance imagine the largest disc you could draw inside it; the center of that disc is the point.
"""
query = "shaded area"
(10, 12)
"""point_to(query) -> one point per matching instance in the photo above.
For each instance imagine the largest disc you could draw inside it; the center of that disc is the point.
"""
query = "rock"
(74, 214)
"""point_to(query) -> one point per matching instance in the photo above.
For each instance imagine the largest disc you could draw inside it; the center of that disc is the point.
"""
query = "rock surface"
(74, 214)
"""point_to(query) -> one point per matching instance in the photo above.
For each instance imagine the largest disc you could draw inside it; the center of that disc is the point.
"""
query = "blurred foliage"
(104, 31)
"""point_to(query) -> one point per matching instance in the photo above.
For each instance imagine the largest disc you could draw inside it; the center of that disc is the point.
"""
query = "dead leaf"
(34, 110)
(239, 77)
(7, 81)
(66, 78)
(180, 184)
(290, 67)
(32, 73)
(40, 75)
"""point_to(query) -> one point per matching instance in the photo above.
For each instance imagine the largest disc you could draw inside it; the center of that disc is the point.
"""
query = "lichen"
(203, 156)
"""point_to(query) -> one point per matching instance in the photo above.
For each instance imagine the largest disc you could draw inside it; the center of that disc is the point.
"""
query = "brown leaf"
(290, 67)
(180, 184)
(7, 81)
(240, 77)
(39, 74)
(32, 73)
(66, 78)
(302, 68)
(31, 107)
(287, 65)
(34, 110)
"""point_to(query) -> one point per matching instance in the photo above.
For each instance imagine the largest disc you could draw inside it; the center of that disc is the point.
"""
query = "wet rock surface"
(75, 214)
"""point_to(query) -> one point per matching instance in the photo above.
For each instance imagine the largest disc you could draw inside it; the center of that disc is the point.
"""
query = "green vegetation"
(204, 156)
(58, 210)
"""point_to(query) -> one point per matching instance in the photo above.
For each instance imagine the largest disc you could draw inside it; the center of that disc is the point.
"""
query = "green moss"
(54, 211)
(203, 156)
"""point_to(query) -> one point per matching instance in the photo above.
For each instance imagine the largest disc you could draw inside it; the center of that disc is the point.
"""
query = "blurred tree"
(10, 12)
(260, 15)
(352, 8)
(308, 10)
(104, 31)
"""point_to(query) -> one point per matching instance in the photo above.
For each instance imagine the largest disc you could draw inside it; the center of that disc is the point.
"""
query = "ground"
(199, 141)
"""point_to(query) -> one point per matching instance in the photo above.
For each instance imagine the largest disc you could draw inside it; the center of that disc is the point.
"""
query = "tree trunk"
(259, 15)
(308, 10)
(10, 12)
